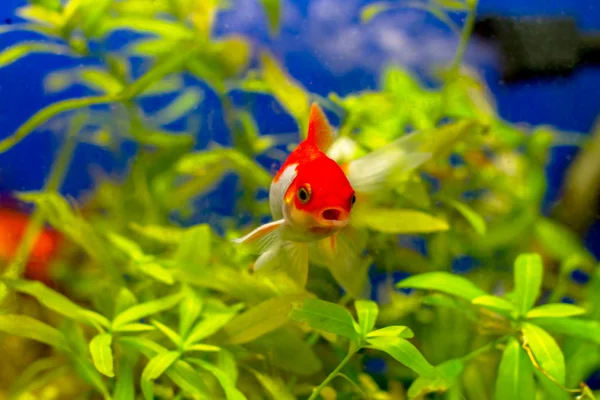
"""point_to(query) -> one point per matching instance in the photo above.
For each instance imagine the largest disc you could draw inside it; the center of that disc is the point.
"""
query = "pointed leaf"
(274, 386)
(155, 368)
(528, 271)
(208, 326)
(194, 246)
(231, 392)
(168, 332)
(157, 272)
(476, 220)
(404, 352)
(273, 10)
(100, 348)
(449, 372)
(134, 328)
(140, 311)
(555, 311)
(326, 316)
(370, 11)
(203, 347)
(546, 351)
(57, 302)
(494, 303)
(189, 310)
(18, 51)
(367, 312)
(21, 325)
(515, 374)
(443, 282)
(397, 221)
(261, 319)
(578, 328)
(125, 299)
(393, 331)
(127, 246)
(186, 102)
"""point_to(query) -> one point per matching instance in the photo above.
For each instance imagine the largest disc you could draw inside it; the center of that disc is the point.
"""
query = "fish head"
(320, 199)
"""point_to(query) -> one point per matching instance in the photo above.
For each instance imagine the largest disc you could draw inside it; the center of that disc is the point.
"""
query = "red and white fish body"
(311, 197)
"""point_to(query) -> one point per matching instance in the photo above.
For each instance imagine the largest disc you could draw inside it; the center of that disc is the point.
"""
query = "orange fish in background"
(13, 224)
(312, 198)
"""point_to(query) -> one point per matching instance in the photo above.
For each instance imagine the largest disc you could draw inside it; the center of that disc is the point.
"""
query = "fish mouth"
(332, 217)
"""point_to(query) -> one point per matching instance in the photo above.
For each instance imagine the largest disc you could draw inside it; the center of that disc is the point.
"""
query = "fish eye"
(353, 199)
(303, 195)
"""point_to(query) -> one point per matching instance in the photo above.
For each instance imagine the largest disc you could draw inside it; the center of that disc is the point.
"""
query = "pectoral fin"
(289, 257)
(341, 256)
(263, 238)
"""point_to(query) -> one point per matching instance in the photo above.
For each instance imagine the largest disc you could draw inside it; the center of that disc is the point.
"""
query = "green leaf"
(393, 331)
(449, 371)
(528, 271)
(158, 233)
(274, 386)
(100, 348)
(546, 351)
(578, 328)
(125, 385)
(57, 302)
(189, 310)
(203, 347)
(41, 14)
(140, 311)
(559, 241)
(367, 311)
(134, 328)
(370, 11)
(515, 374)
(555, 311)
(47, 113)
(84, 369)
(494, 303)
(127, 246)
(157, 271)
(100, 80)
(18, 51)
(404, 352)
(456, 5)
(155, 368)
(288, 92)
(326, 316)
(168, 332)
(394, 221)
(273, 10)
(228, 364)
(21, 325)
(476, 220)
(208, 326)
(443, 282)
(194, 246)
(231, 392)
(288, 350)
(125, 299)
(261, 319)
(186, 102)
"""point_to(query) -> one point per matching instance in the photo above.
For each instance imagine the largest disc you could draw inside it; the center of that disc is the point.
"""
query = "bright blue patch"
(375, 366)
(463, 264)
(456, 160)
(567, 300)
(579, 276)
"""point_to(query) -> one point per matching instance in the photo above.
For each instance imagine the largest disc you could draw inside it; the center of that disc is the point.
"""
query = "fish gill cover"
(146, 304)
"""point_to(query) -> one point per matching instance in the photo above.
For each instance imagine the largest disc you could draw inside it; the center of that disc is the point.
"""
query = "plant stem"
(464, 40)
(333, 373)
(53, 184)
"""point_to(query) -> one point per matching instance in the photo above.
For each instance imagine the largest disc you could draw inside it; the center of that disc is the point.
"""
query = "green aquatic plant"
(146, 308)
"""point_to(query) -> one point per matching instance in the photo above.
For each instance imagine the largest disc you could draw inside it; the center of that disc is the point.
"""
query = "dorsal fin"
(319, 130)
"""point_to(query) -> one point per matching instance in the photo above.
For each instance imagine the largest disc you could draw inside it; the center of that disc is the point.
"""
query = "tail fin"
(367, 174)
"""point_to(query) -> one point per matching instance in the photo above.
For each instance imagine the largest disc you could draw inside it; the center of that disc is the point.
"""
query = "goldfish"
(13, 224)
(312, 198)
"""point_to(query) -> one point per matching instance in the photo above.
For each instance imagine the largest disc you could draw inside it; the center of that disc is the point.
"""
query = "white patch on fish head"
(278, 189)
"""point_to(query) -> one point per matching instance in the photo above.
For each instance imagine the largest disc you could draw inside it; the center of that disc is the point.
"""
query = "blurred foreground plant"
(150, 309)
